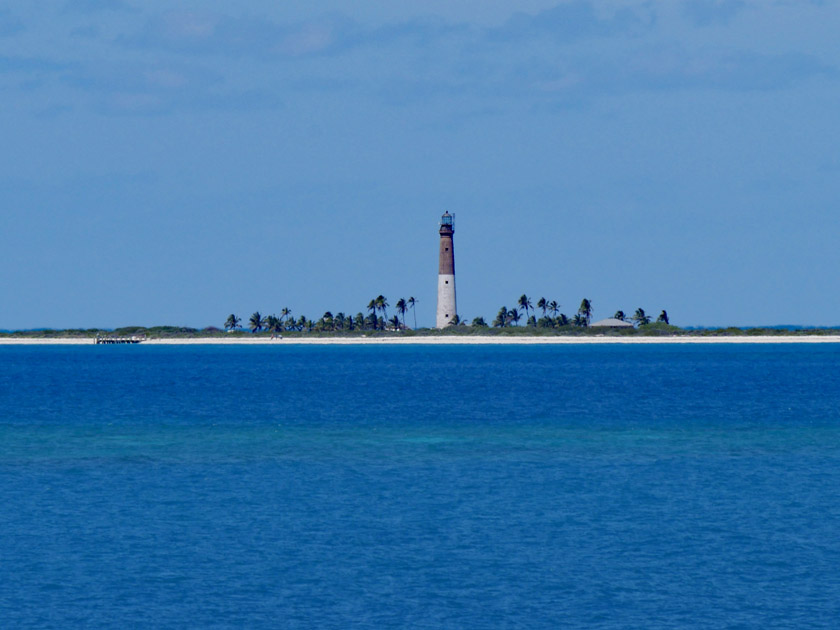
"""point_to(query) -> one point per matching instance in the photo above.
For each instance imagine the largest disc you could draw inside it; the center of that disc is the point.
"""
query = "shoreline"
(438, 341)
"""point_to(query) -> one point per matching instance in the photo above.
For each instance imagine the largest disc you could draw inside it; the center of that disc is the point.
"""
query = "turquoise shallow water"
(427, 487)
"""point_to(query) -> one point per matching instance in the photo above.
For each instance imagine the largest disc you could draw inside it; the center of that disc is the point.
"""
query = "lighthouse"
(446, 272)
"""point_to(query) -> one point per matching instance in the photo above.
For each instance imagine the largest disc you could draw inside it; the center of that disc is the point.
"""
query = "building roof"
(611, 322)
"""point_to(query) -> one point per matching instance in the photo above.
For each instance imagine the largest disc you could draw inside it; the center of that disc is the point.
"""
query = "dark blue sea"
(420, 487)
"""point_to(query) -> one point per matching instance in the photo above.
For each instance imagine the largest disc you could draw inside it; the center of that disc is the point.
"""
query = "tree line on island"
(377, 318)
(582, 318)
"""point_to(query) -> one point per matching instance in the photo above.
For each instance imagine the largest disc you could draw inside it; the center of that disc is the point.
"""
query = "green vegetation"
(640, 318)
(476, 327)
(585, 311)
(524, 319)
(233, 322)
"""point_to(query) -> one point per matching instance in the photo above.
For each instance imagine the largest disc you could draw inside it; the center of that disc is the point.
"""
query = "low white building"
(611, 322)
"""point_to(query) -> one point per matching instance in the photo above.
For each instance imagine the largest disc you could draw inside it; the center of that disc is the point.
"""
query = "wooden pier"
(116, 339)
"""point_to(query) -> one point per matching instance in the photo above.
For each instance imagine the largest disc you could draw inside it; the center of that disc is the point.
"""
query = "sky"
(174, 162)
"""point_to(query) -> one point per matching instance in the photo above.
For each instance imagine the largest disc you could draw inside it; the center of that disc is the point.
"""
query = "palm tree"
(402, 307)
(514, 316)
(256, 322)
(553, 306)
(579, 320)
(479, 322)
(501, 318)
(395, 322)
(327, 321)
(411, 302)
(339, 321)
(232, 322)
(541, 303)
(619, 315)
(663, 318)
(372, 307)
(525, 303)
(562, 320)
(586, 310)
(640, 318)
(382, 305)
(285, 312)
(274, 324)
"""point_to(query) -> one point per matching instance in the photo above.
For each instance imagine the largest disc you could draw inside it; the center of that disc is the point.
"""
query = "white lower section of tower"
(446, 300)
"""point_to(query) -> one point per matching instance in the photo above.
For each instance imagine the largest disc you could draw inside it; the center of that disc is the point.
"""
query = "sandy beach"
(441, 340)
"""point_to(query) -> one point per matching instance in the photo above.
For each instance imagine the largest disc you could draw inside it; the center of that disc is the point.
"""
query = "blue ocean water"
(420, 487)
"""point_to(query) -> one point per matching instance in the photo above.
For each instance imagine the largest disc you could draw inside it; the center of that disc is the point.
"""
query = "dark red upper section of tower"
(447, 247)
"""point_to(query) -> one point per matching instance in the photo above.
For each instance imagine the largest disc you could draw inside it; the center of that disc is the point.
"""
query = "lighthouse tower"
(446, 272)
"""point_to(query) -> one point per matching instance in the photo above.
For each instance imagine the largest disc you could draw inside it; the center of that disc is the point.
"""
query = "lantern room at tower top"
(447, 222)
